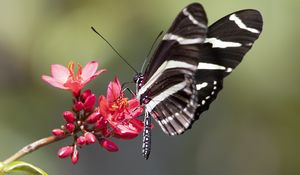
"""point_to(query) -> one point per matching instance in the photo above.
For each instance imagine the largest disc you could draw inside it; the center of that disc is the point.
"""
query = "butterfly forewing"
(190, 26)
(169, 77)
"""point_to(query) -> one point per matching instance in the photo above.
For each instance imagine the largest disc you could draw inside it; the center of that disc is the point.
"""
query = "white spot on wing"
(241, 25)
(163, 95)
(164, 121)
(194, 21)
(229, 69)
(217, 43)
(170, 118)
(180, 131)
(201, 85)
(169, 64)
(181, 40)
(211, 66)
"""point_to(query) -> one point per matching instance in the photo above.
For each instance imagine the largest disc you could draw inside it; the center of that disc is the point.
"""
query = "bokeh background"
(252, 128)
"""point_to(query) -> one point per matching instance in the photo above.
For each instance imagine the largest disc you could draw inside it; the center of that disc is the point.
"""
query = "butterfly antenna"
(114, 49)
(158, 36)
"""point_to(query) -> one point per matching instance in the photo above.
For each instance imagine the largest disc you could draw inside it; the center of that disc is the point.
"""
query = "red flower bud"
(58, 132)
(65, 151)
(85, 94)
(101, 124)
(81, 141)
(78, 106)
(90, 138)
(90, 102)
(93, 117)
(69, 116)
(70, 127)
(109, 145)
(75, 156)
(106, 132)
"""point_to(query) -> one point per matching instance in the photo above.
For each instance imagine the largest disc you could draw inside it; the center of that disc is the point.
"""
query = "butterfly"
(186, 72)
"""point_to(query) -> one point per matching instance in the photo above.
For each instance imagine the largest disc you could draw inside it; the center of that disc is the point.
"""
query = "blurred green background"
(252, 128)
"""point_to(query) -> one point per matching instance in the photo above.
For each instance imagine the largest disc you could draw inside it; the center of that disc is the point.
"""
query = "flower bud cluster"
(114, 116)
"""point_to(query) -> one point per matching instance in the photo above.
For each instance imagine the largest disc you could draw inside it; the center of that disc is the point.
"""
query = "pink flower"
(65, 78)
(120, 112)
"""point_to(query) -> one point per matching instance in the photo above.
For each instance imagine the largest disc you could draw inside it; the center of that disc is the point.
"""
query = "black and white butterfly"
(187, 69)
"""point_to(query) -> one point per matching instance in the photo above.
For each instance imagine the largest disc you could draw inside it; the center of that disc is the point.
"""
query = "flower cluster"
(88, 123)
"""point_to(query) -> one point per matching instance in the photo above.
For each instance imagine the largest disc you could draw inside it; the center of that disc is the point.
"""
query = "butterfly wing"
(169, 82)
(187, 70)
(190, 26)
(228, 40)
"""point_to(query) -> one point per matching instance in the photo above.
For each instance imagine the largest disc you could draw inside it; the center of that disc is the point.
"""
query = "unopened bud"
(81, 141)
(58, 132)
(78, 106)
(90, 137)
(85, 94)
(69, 116)
(90, 102)
(93, 117)
(101, 124)
(70, 127)
(109, 145)
(75, 156)
(65, 151)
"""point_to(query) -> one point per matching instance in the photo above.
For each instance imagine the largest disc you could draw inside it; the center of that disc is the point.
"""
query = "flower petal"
(94, 76)
(113, 90)
(133, 103)
(103, 107)
(136, 111)
(123, 132)
(59, 73)
(53, 82)
(138, 124)
(89, 70)
(128, 130)
(100, 72)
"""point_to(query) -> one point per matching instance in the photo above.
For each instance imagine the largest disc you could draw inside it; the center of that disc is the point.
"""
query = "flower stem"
(33, 147)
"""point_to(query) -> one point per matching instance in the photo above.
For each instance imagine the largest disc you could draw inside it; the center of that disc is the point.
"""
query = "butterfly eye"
(137, 77)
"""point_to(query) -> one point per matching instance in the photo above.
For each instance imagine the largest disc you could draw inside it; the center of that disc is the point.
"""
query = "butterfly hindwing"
(228, 40)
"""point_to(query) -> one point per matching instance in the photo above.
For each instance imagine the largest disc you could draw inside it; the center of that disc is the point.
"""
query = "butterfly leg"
(129, 90)
(147, 136)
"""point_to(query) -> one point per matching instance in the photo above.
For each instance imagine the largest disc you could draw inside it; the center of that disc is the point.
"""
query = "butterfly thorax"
(139, 81)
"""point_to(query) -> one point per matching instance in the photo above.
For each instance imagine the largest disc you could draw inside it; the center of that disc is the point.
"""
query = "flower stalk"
(33, 147)
(115, 115)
